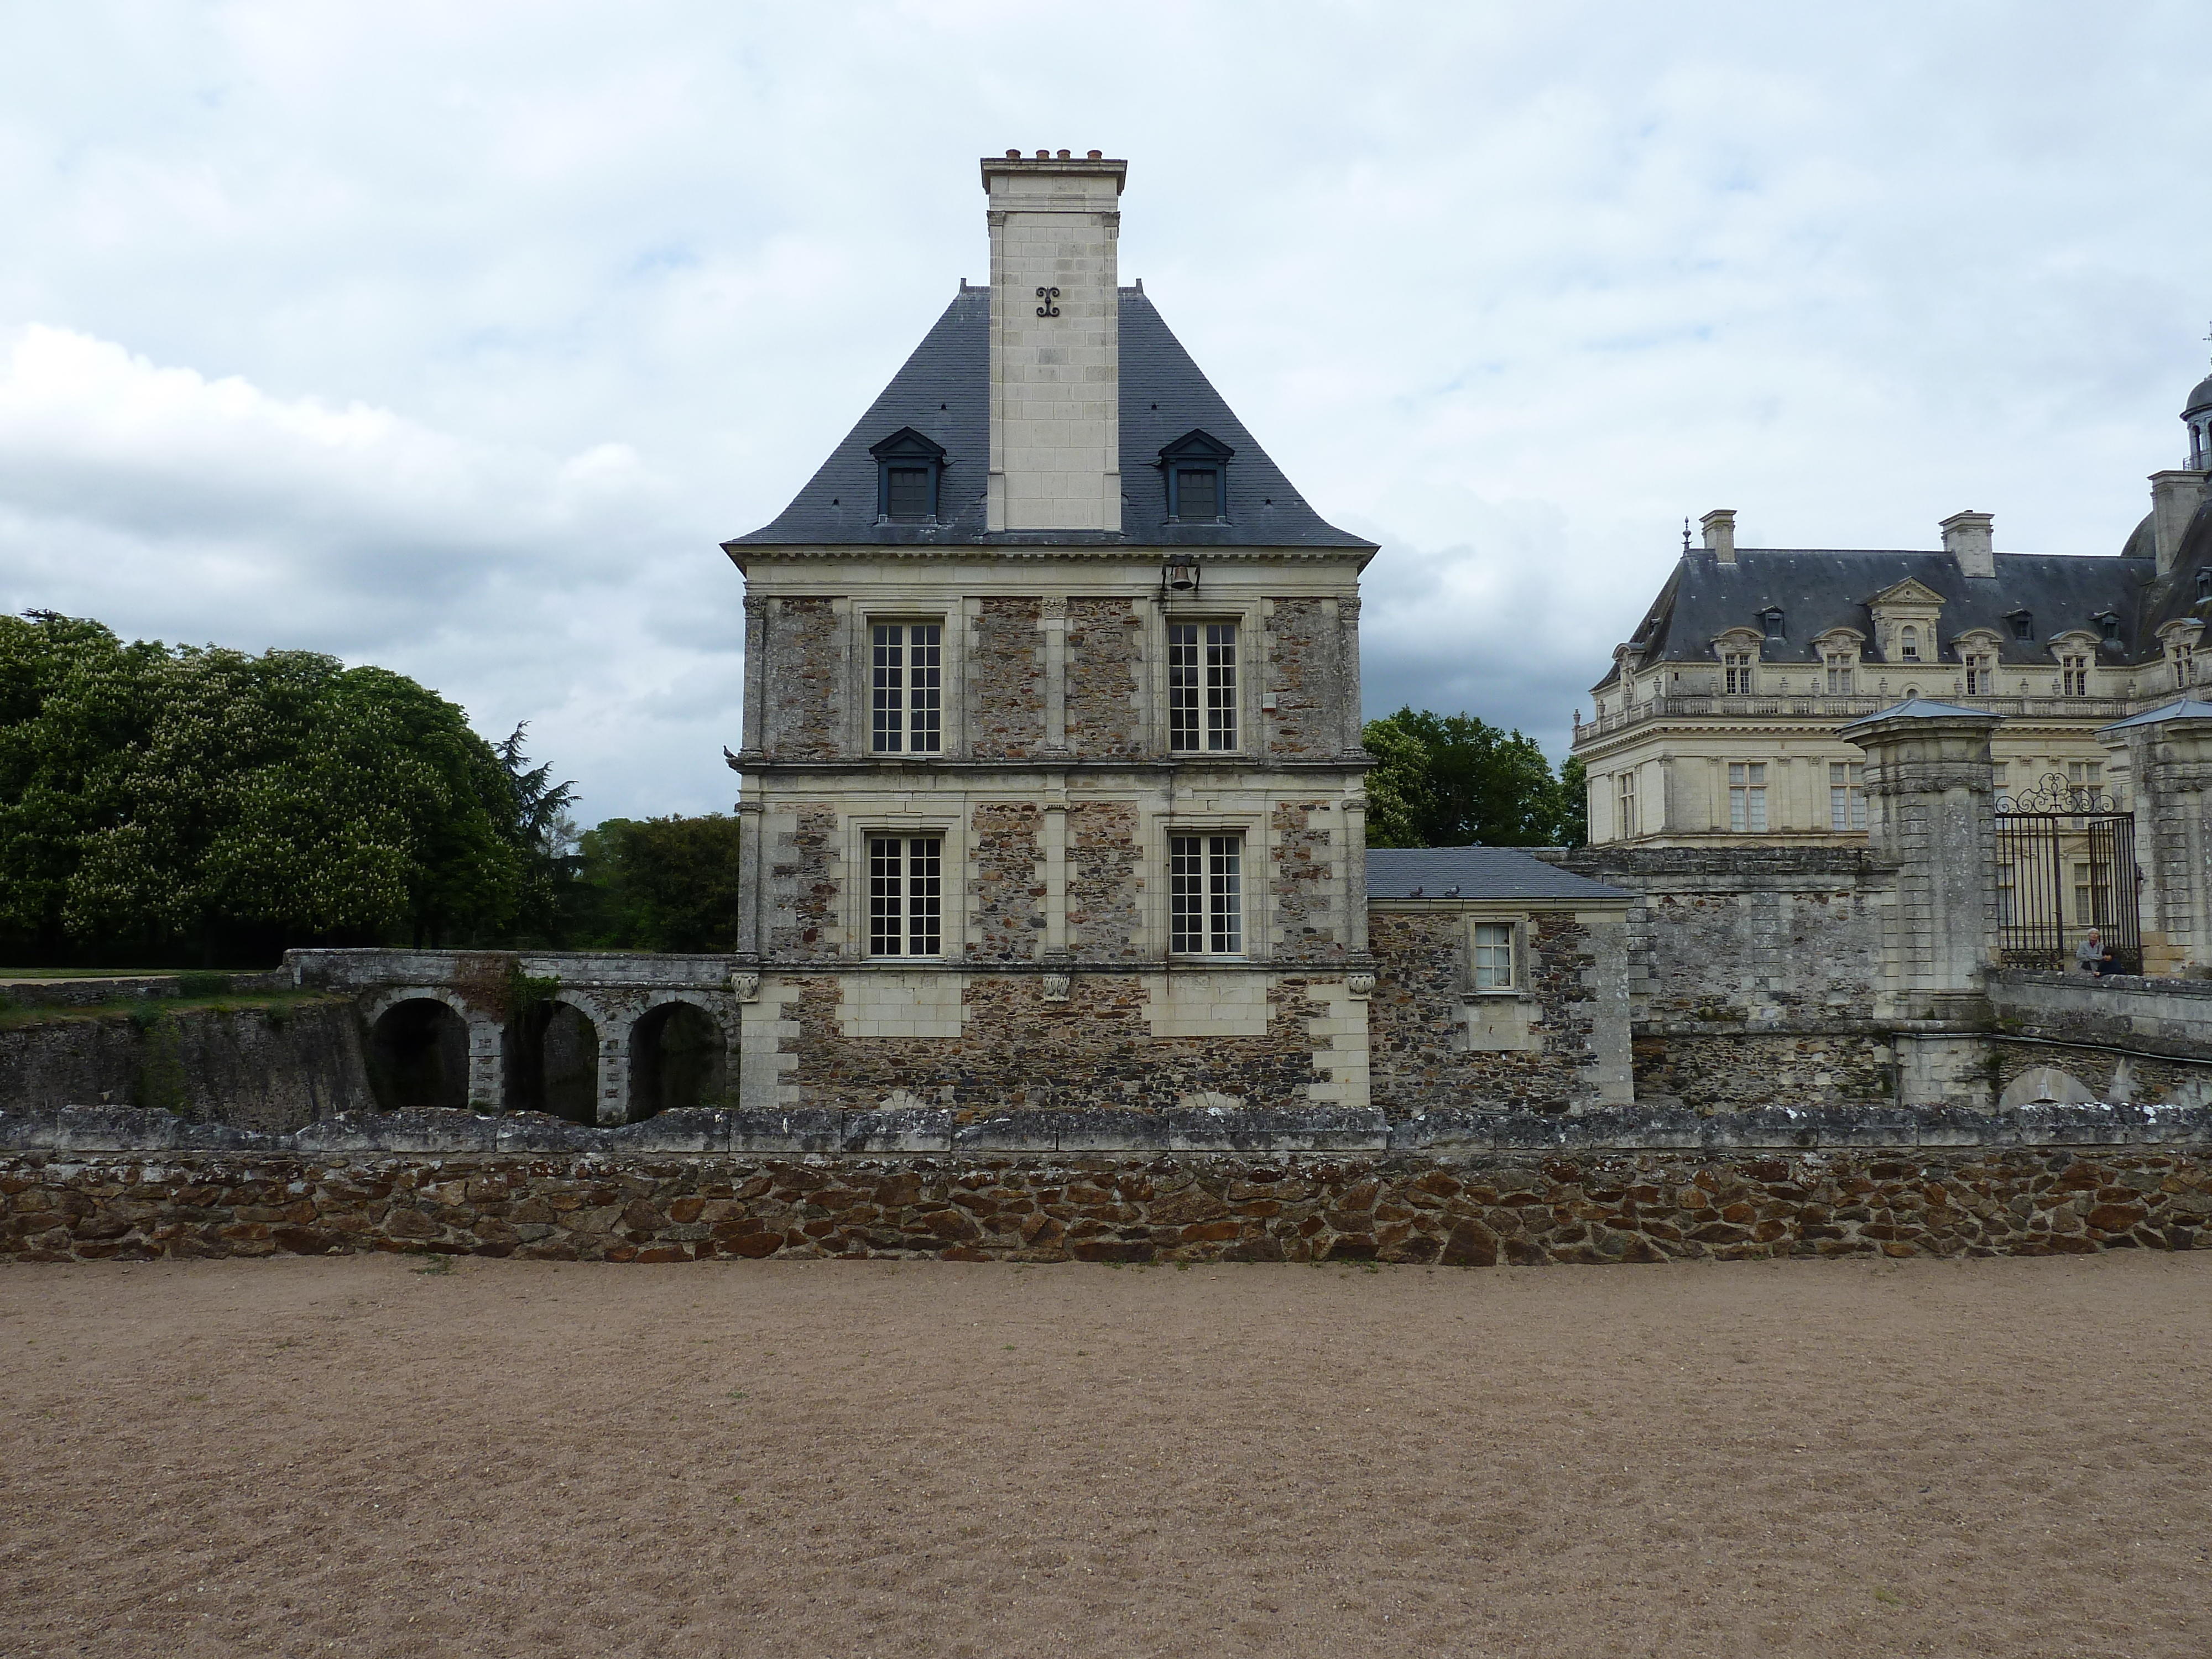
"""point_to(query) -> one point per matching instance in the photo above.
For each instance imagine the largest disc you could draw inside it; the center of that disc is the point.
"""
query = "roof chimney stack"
(1055, 341)
(1966, 538)
(1720, 533)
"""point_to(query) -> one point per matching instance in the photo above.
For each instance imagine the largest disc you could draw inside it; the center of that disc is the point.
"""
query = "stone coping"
(925, 1131)
(2129, 984)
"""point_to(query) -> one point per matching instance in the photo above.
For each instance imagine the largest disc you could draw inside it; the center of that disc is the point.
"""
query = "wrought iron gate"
(2066, 863)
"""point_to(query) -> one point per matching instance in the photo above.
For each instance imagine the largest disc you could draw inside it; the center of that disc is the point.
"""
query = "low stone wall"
(2029, 1184)
(2169, 1017)
(1728, 1069)
(271, 1068)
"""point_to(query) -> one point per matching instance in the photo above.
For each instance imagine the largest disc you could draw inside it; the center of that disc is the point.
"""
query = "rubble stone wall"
(1021, 1049)
(1417, 1058)
(1750, 935)
(805, 679)
(1737, 1071)
(1005, 697)
(272, 1068)
(1306, 678)
(1472, 1210)
(1101, 679)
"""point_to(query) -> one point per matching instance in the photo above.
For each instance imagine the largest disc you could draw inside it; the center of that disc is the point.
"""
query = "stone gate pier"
(599, 1037)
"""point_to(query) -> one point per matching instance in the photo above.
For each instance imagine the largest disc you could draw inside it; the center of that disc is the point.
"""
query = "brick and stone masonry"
(2030, 1184)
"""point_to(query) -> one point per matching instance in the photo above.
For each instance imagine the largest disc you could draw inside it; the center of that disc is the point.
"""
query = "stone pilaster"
(2169, 764)
(1931, 811)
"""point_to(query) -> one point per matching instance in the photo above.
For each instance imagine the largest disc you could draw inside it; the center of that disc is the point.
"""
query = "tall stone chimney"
(2174, 499)
(1055, 341)
(1719, 526)
(1966, 538)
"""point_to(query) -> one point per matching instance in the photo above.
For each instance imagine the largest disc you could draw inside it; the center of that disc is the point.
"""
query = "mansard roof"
(1819, 590)
(944, 394)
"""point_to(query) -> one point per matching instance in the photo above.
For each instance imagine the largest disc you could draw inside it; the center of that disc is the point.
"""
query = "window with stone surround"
(1202, 687)
(2074, 675)
(1624, 785)
(1908, 643)
(1748, 796)
(2184, 654)
(1981, 678)
(906, 896)
(1493, 956)
(906, 688)
(1847, 795)
(1840, 665)
(1736, 673)
(1206, 895)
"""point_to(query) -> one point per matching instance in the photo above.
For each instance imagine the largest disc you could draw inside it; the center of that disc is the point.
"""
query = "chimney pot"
(1095, 155)
(1013, 155)
(1063, 155)
(1044, 156)
(1966, 538)
(1719, 526)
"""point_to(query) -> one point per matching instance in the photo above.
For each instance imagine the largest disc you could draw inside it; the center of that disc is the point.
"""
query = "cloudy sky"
(455, 337)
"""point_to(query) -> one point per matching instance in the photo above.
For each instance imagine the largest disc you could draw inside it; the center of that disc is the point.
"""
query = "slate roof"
(944, 392)
(1818, 589)
(2182, 708)
(1479, 872)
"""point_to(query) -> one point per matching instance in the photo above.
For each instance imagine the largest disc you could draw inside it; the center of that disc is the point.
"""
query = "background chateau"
(1718, 722)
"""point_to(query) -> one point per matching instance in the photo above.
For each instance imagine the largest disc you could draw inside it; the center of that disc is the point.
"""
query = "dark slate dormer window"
(1770, 623)
(909, 471)
(2204, 583)
(1196, 468)
(2022, 623)
(2108, 625)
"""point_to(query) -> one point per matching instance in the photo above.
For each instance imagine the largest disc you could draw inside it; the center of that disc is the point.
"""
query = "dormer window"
(2204, 583)
(1770, 621)
(1908, 643)
(2022, 623)
(909, 471)
(2108, 625)
(1196, 469)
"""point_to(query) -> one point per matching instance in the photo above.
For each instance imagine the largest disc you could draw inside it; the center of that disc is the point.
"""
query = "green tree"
(1455, 780)
(666, 884)
(202, 803)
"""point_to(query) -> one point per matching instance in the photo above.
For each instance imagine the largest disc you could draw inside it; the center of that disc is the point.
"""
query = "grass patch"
(145, 1012)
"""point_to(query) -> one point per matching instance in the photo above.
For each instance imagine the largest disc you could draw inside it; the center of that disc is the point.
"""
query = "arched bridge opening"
(418, 1056)
(678, 1057)
(551, 1052)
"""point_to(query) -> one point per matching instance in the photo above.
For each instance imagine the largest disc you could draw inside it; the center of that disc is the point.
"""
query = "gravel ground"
(355, 1456)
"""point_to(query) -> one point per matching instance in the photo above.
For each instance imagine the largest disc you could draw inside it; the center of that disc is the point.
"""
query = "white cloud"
(457, 338)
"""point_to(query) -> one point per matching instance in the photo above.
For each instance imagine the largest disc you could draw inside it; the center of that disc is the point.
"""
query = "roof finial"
(1685, 534)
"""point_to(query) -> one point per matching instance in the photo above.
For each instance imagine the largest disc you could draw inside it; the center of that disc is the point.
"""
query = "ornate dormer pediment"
(1737, 640)
(1906, 616)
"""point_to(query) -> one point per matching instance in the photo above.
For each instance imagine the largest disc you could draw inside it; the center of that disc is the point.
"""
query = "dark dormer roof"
(943, 394)
(908, 444)
(2199, 399)
(1819, 589)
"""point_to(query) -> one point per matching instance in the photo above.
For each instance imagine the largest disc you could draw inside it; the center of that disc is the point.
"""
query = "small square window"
(1198, 495)
(1493, 956)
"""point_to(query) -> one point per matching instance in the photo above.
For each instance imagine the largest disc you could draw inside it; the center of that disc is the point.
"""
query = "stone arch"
(419, 1049)
(555, 1053)
(681, 1047)
(2044, 1086)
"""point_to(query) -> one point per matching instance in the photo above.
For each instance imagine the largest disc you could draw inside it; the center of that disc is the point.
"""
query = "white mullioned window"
(1748, 796)
(1981, 681)
(1493, 956)
(906, 896)
(1840, 665)
(2074, 676)
(1847, 795)
(1624, 785)
(1201, 686)
(1909, 643)
(1736, 673)
(2184, 666)
(1206, 895)
(906, 686)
